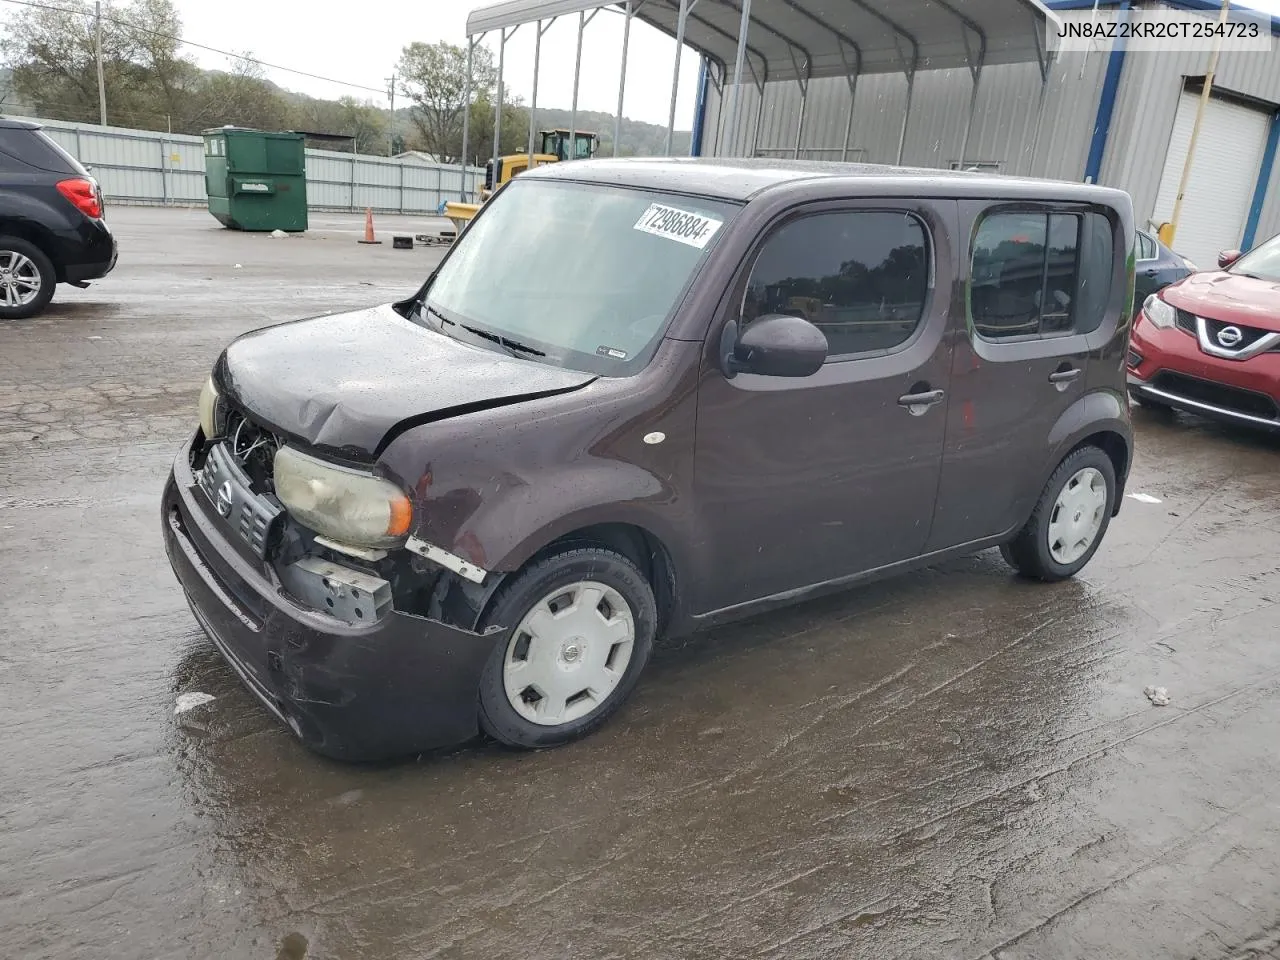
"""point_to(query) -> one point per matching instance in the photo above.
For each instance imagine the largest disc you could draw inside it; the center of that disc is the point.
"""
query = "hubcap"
(569, 653)
(19, 279)
(1077, 516)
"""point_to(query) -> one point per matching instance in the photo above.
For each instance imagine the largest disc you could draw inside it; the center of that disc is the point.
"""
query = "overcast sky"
(361, 42)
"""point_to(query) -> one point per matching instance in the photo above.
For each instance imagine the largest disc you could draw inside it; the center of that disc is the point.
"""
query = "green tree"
(434, 77)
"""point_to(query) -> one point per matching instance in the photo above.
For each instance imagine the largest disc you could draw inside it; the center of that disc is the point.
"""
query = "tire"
(32, 264)
(1046, 547)
(527, 690)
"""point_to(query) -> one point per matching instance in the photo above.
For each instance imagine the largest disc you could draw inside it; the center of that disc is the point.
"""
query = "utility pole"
(1170, 230)
(391, 122)
(102, 86)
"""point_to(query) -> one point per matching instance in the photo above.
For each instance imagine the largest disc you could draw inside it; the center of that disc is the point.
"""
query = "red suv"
(1210, 344)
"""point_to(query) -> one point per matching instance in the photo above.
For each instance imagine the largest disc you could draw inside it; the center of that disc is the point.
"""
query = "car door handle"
(925, 399)
(1065, 376)
(1149, 273)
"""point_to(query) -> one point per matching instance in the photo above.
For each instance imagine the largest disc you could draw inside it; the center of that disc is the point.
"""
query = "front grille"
(1251, 334)
(1185, 321)
(1216, 394)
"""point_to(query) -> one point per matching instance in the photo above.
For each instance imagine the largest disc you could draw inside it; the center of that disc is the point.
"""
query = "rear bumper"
(92, 255)
(401, 686)
(1168, 367)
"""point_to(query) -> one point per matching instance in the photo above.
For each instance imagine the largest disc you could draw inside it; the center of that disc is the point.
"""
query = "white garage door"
(1223, 175)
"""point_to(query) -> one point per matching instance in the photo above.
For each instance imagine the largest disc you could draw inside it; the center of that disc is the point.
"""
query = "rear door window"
(861, 277)
(1039, 274)
(1146, 247)
(35, 148)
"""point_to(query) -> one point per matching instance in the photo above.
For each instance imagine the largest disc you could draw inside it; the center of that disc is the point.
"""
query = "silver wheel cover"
(1077, 515)
(569, 653)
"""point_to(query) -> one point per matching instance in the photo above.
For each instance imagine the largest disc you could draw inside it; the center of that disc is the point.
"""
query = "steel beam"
(622, 78)
(466, 116)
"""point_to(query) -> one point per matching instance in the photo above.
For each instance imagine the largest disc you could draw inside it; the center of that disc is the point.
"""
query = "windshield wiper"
(514, 347)
(432, 311)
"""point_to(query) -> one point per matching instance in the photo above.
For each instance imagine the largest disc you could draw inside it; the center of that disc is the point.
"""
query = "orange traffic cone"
(368, 227)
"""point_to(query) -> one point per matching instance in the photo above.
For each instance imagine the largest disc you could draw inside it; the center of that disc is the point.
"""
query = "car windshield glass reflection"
(1262, 262)
(576, 275)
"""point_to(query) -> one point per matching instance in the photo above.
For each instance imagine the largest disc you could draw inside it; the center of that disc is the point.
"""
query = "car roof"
(743, 179)
(7, 123)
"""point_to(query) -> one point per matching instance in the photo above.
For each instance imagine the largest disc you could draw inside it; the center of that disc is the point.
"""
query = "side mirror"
(1227, 257)
(773, 346)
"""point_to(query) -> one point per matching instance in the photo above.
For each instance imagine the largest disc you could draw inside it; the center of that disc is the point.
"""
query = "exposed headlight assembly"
(1158, 312)
(209, 409)
(348, 505)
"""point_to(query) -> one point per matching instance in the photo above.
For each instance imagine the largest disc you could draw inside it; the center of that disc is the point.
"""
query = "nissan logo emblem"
(1230, 336)
(223, 502)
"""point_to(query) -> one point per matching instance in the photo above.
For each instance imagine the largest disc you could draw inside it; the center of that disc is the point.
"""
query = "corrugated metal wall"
(1004, 122)
(143, 166)
(1005, 118)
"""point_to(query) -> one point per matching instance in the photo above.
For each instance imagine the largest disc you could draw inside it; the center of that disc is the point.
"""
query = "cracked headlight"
(209, 409)
(348, 505)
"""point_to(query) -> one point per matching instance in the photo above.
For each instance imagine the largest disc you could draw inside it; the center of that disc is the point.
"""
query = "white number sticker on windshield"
(681, 225)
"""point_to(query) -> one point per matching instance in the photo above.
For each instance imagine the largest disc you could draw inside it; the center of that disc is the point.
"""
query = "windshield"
(1262, 262)
(572, 274)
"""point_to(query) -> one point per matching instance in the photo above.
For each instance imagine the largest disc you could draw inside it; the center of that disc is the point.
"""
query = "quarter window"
(1040, 274)
(1146, 247)
(862, 278)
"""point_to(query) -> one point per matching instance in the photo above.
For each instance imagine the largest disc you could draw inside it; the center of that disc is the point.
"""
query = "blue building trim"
(700, 109)
(1264, 181)
(1106, 105)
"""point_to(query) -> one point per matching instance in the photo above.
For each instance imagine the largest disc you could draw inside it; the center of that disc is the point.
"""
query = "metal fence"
(143, 166)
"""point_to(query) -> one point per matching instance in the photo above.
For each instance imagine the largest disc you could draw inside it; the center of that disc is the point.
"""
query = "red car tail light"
(83, 194)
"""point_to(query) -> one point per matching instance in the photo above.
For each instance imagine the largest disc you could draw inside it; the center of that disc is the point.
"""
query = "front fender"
(515, 527)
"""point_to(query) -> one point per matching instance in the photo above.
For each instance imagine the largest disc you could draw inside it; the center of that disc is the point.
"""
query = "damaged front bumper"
(399, 685)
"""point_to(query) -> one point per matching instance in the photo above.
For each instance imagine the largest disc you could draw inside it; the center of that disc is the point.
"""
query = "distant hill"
(638, 139)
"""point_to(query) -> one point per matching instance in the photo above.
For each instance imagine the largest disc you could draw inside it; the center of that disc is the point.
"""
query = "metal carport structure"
(769, 41)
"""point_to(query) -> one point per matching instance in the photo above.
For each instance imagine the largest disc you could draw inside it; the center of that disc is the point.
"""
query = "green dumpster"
(256, 180)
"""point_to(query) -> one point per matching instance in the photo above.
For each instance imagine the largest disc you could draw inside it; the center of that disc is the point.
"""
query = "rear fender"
(1100, 411)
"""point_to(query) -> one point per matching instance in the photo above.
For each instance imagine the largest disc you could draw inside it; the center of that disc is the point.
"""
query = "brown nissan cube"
(641, 397)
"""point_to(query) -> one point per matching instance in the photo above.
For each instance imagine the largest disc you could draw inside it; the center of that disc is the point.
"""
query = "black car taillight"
(488, 175)
(83, 195)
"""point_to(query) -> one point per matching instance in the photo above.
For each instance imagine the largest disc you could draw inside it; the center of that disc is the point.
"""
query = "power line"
(191, 43)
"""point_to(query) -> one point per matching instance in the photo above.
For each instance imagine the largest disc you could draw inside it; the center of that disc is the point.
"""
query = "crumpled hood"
(343, 382)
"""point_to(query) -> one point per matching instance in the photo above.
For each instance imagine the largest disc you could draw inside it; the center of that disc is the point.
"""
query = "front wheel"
(26, 279)
(1069, 520)
(583, 624)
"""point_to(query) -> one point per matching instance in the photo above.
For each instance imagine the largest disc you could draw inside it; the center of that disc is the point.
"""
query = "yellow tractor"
(555, 147)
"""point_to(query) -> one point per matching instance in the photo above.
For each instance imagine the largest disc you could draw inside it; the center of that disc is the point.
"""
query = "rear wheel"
(1069, 520)
(583, 624)
(27, 279)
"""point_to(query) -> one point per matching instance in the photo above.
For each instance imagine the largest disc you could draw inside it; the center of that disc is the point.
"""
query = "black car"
(1157, 267)
(51, 221)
